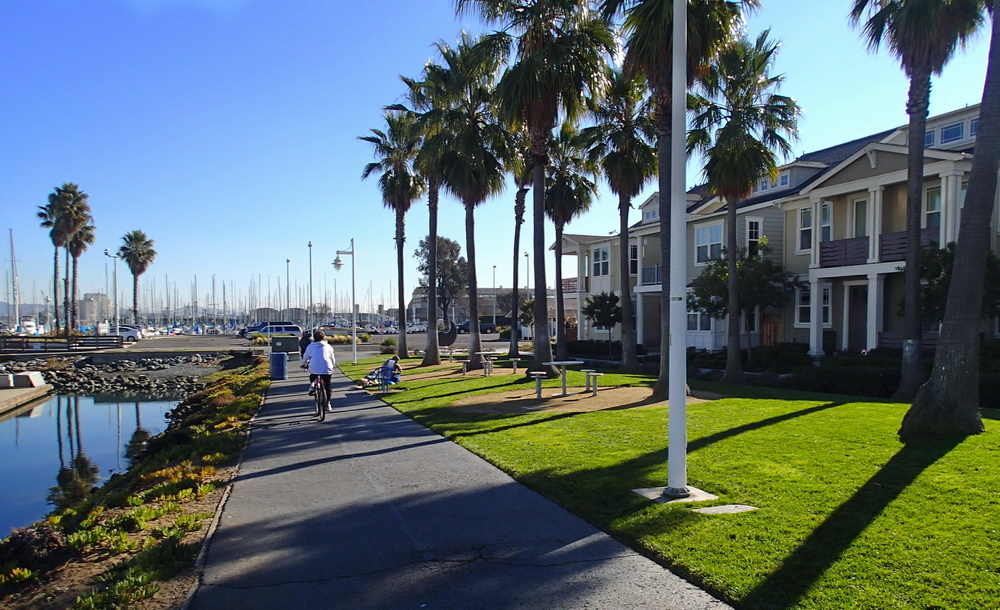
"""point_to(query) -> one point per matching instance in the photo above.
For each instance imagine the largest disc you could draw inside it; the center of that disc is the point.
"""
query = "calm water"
(55, 451)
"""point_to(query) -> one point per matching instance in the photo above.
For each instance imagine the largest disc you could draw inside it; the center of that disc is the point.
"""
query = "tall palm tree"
(739, 123)
(77, 245)
(648, 30)
(923, 35)
(523, 178)
(138, 253)
(49, 216)
(395, 150)
(559, 48)
(74, 215)
(476, 163)
(620, 142)
(949, 402)
(568, 194)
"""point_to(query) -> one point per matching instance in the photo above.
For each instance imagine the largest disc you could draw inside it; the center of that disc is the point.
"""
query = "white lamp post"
(288, 289)
(107, 252)
(337, 264)
(494, 296)
(309, 306)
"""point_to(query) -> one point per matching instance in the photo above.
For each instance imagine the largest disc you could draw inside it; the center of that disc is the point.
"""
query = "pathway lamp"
(337, 264)
(309, 307)
(494, 296)
(107, 252)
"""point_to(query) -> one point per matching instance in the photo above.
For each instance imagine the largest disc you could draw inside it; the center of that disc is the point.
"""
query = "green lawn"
(849, 516)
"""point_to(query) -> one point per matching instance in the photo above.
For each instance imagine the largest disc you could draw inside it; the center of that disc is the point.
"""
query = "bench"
(538, 375)
(592, 378)
(587, 372)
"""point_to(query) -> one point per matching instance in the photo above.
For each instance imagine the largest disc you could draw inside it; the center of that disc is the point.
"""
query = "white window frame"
(783, 179)
(928, 138)
(602, 261)
(927, 212)
(701, 321)
(707, 228)
(748, 232)
(854, 217)
(957, 128)
(973, 126)
(802, 229)
(825, 221)
(826, 311)
(633, 259)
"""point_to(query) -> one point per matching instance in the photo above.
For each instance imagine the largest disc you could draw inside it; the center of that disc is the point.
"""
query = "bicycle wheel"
(321, 400)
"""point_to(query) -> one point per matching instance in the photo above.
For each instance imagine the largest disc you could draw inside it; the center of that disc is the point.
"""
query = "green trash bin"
(289, 345)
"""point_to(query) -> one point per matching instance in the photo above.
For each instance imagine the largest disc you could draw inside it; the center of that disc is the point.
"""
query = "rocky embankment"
(150, 377)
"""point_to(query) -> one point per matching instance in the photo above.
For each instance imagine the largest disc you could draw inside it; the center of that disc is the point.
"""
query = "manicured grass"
(849, 516)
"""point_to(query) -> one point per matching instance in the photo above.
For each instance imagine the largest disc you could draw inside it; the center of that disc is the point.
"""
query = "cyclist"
(320, 361)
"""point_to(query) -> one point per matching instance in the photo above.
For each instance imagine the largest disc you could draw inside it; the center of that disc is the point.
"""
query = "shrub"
(387, 346)
(364, 337)
(855, 381)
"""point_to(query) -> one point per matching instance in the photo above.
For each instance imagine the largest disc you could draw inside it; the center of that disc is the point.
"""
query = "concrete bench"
(514, 362)
(592, 377)
(587, 372)
(539, 376)
(29, 379)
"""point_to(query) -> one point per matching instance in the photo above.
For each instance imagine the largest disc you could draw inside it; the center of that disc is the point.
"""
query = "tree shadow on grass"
(821, 549)
(770, 421)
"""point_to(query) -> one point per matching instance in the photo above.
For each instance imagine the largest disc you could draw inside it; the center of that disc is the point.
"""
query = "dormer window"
(973, 127)
(952, 133)
(783, 179)
(929, 139)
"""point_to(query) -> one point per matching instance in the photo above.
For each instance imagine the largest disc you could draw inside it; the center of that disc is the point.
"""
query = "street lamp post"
(494, 296)
(107, 252)
(309, 306)
(527, 273)
(288, 289)
(337, 264)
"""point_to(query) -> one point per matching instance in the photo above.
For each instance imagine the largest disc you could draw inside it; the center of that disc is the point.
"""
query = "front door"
(857, 318)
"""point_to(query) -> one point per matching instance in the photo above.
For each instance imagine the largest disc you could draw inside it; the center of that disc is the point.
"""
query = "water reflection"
(80, 440)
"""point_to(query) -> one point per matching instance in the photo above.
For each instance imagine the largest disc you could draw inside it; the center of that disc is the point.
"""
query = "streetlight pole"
(288, 289)
(309, 307)
(494, 296)
(527, 273)
(337, 264)
(107, 252)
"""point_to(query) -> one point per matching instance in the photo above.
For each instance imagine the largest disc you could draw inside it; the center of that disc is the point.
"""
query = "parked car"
(129, 335)
(484, 328)
(278, 328)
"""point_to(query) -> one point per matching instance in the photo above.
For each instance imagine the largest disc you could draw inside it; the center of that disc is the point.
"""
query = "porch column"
(815, 318)
(640, 333)
(814, 255)
(874, 223)
(876, 288)
(951, 182)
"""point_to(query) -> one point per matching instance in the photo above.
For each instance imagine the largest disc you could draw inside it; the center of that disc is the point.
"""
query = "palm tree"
(476, 163)
(568, 193)
(395, 150)
(739, 122)
(949, 402)
(74, 215)
(138, 253)
(923, 35)
(49, 215)
(523, 178)
(621, 143)
(559, 48)
(648, 29)
(77, 245)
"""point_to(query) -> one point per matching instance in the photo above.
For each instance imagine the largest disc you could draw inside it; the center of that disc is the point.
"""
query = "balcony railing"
(854, 251)
(651, 275)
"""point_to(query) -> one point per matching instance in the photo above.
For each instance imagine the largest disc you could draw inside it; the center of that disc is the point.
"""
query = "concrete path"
(372, 510)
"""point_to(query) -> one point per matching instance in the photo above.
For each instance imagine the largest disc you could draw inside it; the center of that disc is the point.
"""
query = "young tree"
(602, 309)
(739, 122)
(138, 253)
(923, 35)
(395, 149)
(452, 272)
(936, 270)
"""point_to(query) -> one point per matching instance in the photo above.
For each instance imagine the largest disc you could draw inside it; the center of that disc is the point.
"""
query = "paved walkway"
(372, 510)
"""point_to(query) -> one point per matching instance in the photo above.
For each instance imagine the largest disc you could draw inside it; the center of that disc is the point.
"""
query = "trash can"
(279, 365)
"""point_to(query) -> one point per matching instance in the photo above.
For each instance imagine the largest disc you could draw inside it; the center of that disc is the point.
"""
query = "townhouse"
(835, 217)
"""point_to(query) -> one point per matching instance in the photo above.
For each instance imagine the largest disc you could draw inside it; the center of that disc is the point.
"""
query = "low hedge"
(877, 382)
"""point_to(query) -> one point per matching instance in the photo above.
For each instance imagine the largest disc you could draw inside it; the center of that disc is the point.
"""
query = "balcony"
(854, 251)
(651, 275)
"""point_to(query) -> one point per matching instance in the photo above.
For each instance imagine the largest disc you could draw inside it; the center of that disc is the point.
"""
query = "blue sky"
(227, 131)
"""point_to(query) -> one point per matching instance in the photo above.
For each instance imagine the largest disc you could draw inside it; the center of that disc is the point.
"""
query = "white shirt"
(319, 356)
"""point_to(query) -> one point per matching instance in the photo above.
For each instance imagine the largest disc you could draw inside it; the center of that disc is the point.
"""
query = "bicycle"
(321, 398)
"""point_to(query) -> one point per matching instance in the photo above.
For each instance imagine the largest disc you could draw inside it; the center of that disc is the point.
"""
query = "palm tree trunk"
(630, 359)
(734, 365)
(664, 156)
(542, 344)
(69, 326)
(949, 402)
(562, 351)
(72, 299)
(54, 330)
(912, 373)
(515, 325)
(432, 353)
(402, 350)
(135, 298)
(475, 339)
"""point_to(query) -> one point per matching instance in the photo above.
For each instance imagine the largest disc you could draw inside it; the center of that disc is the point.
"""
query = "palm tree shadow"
(784, 587)
(724, 434)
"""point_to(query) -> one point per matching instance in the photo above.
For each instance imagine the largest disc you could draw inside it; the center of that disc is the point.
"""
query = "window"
(826, 221)
(805, 229)
(765, 183)
(651, 214)
(932, 208)
(749, 323)
(707, 243)
(861, 218)
(601, 261)
(699, 321)
(929, 138)
(952, 133)
(973, 127)
(754, 228)
(783, 179)
(633, 259)
(803, 305)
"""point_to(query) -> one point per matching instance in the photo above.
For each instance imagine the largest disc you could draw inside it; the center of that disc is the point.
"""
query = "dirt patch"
(578, 400)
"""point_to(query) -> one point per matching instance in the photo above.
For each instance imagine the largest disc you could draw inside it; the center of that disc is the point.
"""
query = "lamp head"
(107, 252)
(337, 263)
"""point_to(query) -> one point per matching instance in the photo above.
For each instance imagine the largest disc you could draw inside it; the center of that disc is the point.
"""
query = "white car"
(129, 335)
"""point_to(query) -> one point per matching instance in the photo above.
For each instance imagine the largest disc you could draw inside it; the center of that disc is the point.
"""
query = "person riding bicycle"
(320, 361)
